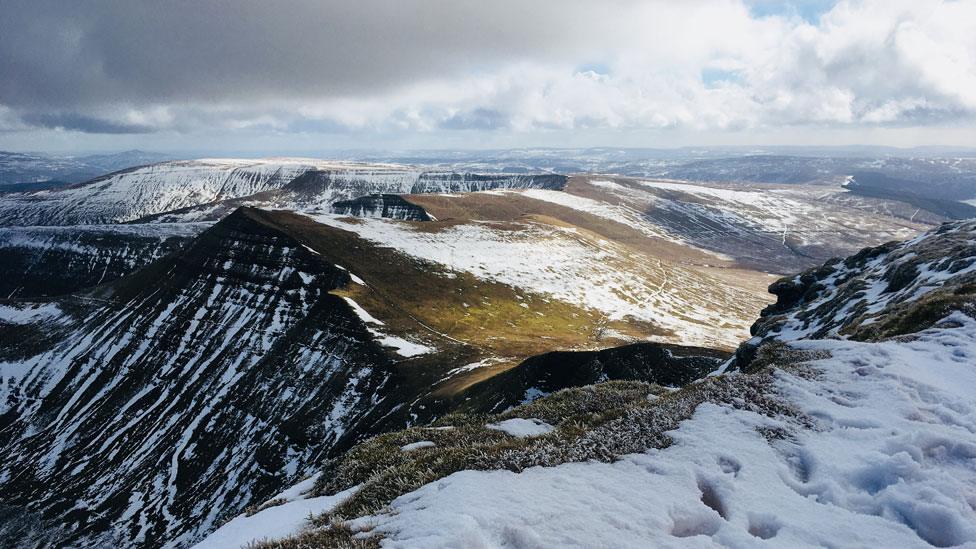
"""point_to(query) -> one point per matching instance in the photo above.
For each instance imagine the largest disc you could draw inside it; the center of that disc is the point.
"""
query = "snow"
(271, 523)
(606, 184)
(352, 277)
(701, 215)
(890, 461)
(298, 490)
(417, 445)
(29, 313)
(611, 212)
(361, 313)
(401, 346)
(472, 366)
(579, 269)
(522, 428)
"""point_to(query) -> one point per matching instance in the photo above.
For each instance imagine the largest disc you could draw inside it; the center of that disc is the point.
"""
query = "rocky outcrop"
(881, 292)
(658, 363)
(390, 206)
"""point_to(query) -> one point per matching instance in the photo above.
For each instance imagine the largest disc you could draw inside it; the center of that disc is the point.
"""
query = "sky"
(306, 75)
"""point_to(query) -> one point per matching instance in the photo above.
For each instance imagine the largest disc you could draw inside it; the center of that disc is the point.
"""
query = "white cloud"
(863, 64)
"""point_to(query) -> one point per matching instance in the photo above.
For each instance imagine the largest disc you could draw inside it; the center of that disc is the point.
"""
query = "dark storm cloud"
(77, 55)
(81, 122)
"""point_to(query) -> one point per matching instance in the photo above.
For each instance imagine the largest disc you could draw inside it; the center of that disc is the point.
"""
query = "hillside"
(28, 172)
(298, 339)
(363, 299)
(847, 419)
(212, 188)
(50, 261)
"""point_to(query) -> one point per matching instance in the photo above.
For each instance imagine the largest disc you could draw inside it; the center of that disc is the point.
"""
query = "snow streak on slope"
(131, 194)
(208, 189)
(876, 451)
(43, 261)
(577, 268)
(179, 394)
(775, 228)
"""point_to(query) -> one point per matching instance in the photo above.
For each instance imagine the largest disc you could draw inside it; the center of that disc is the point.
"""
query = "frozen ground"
(579, 269)
(523, 428)
(889, 462)
(273, 522)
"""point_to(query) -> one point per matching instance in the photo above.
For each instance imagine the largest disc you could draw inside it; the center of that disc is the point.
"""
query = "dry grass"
(598, 422)
(467, 319)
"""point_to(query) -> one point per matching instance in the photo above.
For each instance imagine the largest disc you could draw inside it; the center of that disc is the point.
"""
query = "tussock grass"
(597, 422)
(337, 536)
(918, 315)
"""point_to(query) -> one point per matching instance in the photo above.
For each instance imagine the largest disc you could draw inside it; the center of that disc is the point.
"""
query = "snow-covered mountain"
(139, 413)
(24, 172)
(49, 261)
(253, 320)
(146, 410)
(215, 183)
(848, 421)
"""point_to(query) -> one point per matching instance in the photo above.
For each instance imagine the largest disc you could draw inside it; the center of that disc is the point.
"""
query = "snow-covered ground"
(273, 522)
(620, 213)
(798, 214)
(776, 228)
(26, 313)
(522, 427)
(579, 269)
(401, 346)
(890, 462)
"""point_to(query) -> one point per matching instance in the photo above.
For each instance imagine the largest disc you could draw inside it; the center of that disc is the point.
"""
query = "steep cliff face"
(450, 182)
(50, 261)
(143, 412)
(849, 421)
(317, 190)
(138, 192)
(657, 363)
(208, 189)
(390, 206)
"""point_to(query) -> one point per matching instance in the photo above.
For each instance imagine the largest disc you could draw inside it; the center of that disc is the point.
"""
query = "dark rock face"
(433, 182)
(391, 206)
(322, 188)
(663, 364)
(52, 261)
(176, 396)
(346, 185)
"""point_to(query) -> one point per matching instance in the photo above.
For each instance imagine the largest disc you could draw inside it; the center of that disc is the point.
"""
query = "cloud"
(443, 65)
(80, 122)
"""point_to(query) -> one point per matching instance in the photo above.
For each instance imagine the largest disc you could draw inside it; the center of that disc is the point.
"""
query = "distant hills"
(28, 172)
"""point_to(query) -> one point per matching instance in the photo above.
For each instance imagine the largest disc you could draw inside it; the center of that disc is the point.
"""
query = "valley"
(184, 340)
